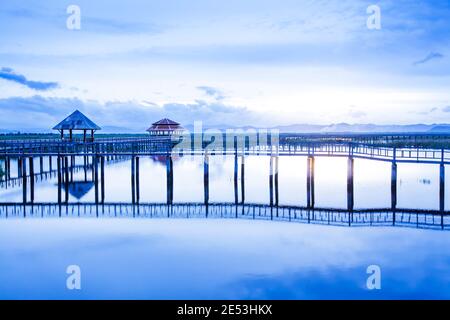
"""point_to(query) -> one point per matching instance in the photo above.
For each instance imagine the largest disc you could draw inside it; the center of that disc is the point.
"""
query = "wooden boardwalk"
(370, 147)
(133, 149)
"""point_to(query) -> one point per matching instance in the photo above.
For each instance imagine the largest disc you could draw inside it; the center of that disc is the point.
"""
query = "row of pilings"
(95, 163)
(239, 181)
(61, 166)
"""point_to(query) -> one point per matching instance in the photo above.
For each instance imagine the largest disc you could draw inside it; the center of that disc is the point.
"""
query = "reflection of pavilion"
(79, 189)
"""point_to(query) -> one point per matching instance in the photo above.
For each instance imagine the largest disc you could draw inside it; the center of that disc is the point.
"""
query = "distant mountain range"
(350, 128)
(366, 128)
(296, 128)
(4, 131)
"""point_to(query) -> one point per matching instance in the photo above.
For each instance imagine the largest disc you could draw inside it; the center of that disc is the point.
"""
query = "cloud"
(429, 57)
(20, 13)
(446, 109)
(355, 113)
(427, 112)
(10, 75)
(105, 25)
(212, 92)
(40, 114)
(96, 24)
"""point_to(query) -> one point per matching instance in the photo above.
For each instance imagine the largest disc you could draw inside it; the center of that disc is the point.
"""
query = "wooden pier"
(133, 149)
(294, 146)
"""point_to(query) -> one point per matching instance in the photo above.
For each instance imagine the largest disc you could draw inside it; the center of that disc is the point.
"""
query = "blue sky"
(234, 62)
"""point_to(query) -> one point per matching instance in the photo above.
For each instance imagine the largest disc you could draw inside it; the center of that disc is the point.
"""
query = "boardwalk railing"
(285, 147)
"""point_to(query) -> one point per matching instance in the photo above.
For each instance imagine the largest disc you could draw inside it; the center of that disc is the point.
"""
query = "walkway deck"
(289, 145)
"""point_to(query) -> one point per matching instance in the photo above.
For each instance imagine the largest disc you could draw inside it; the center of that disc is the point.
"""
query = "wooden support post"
(92, 165)
(242, 179)
(137, 181)
(95, 170)
(23, 170)
(350, 186)
(9, 167)
(442, 187)
(66, 178)
(236, 196)
(169, 172)
(276, 180)
(271, 181)
(41, 165)
(31, 165)
(85, 167)
(171, 180)
(206, 178)
(58, 165)
(62, 170)
(308, 182)
(19, 167)
(312, 182)
(6, 170)
(72, 165)
(394, 186)
(133, 179)
(50, 165)
(102, 169)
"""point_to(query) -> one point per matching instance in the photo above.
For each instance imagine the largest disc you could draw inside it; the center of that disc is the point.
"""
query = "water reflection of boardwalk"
(368, 217)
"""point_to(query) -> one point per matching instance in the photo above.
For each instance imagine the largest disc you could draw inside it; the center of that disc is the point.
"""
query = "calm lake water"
(228, 258)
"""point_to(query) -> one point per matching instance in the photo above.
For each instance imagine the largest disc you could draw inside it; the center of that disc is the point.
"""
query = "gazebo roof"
(76, 121)
(165, 124)
(166, 121)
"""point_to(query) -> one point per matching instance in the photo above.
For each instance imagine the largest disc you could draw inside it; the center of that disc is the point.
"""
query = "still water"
(228, 258)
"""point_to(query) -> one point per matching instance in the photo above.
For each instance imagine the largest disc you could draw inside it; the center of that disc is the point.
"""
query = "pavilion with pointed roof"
(165, 127)
(77, 121)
